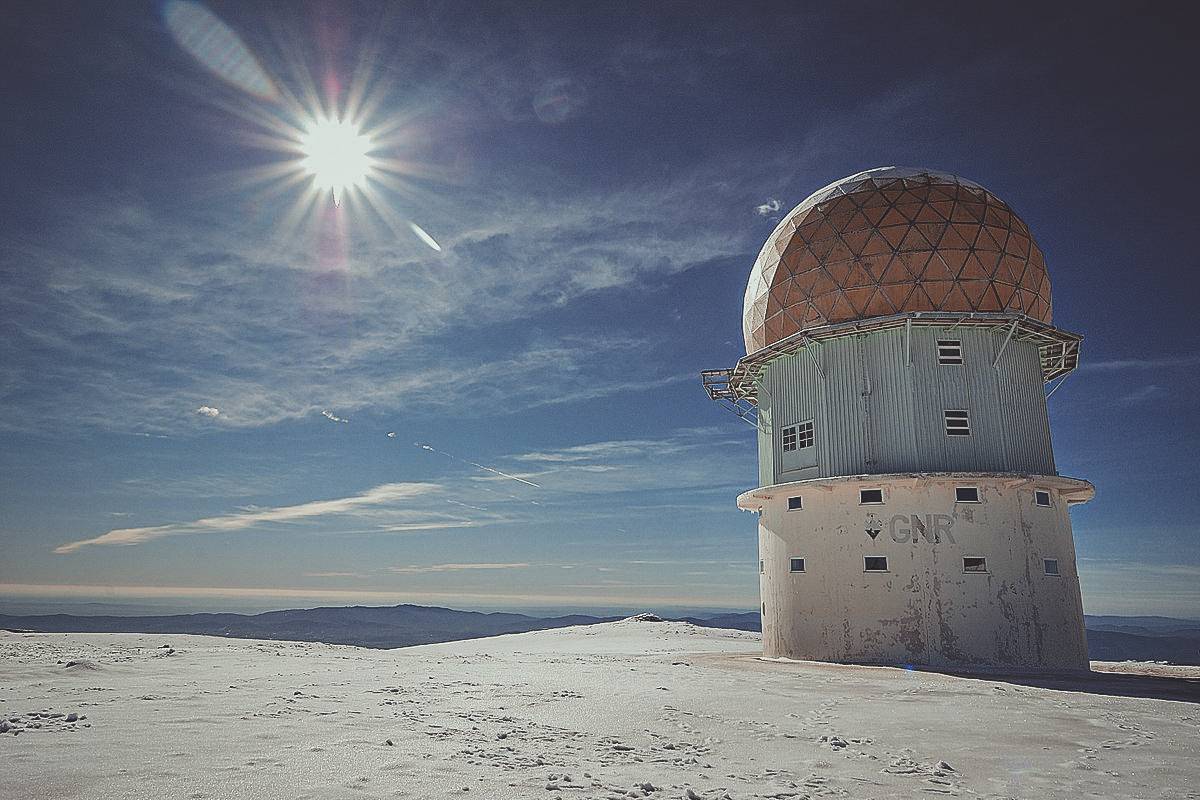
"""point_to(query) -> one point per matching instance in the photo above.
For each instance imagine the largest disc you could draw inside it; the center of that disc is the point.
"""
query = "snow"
(627, 709)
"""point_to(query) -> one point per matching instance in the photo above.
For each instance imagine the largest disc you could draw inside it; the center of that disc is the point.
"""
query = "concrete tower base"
(924, 577)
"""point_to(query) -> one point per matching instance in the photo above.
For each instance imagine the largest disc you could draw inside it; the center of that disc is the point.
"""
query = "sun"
(337, 154)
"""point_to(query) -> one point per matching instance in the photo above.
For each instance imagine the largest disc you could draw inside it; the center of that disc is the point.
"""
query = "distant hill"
(1109, 638)
(364, 626)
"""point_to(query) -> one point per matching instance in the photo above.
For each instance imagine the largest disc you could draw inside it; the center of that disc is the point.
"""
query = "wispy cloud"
(620, 596)
(1142, 394)
(379, 495)
(329, 415)
(455, 567)
(1163, 362)
(1119, 586)
(768, 208)
(222, 307)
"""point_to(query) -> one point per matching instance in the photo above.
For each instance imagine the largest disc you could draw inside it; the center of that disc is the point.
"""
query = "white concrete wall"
(924, 610)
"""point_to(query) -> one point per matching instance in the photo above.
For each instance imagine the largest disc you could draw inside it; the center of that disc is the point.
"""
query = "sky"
(203, 358)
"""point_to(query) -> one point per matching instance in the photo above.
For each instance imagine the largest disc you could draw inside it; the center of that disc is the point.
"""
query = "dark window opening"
(1051, 565)
(974, 564)
(949, 351)
(958, 423)
(797, 565)
(875, 564)
(805, 434)
(867, 496)
(1041, 498)
(795, 503)
(762, 566)
(789, 438)
(966, 494)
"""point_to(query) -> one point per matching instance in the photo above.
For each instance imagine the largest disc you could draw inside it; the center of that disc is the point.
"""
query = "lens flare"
(215, 45)
(333, 133)
(337, 155)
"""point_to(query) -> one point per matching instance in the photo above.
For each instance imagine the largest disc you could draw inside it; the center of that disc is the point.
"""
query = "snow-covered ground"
(627, 709)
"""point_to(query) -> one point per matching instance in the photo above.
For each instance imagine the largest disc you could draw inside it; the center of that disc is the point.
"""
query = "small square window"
(1041, 498)
(949, 351)
(875, 564)
(789, 438)
(974, 564)
(795, 503)
(966, 494)
(797, 565)
(805, 434)
(870, 496)
(1051, 566)
(958, 423)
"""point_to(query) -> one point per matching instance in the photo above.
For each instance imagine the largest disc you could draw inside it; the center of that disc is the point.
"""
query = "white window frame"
(975, 489)
(949, 352)
(882, 497)
(806, 434)
(791, 432)
(792, 564)
(1049, 498)
(800, 504)
(963, 429)
(886, 566)
(983, 571)
(1046, 562)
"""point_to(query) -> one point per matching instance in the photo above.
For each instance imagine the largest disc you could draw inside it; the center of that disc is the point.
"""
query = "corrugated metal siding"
(1025, 420)
(874, 413)
(766, 438)
(893, 444)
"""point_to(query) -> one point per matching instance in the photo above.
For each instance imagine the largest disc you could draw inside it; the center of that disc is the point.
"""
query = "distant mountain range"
(1109, 638)
(364, 626)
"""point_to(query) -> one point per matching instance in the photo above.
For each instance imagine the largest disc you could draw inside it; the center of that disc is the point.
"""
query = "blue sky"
(599, 181)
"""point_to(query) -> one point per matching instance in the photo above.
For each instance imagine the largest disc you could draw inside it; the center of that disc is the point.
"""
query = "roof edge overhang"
(1073, 490)
(1059, 348)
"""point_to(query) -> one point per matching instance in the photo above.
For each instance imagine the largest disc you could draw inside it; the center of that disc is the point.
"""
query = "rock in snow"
(573, 713)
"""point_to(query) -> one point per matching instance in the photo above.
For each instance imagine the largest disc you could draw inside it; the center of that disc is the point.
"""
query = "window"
(762, 566)
(966, 494)
(957, 423)
(789, 438)
(1051, 566)
(797, 565)
(795, 503)
(869, 496)
(875, 564)
(974, 564)
(949, 351)
(1041, 498)
(804, 433)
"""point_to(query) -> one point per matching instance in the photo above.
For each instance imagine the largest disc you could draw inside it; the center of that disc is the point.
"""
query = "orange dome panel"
(893, 240)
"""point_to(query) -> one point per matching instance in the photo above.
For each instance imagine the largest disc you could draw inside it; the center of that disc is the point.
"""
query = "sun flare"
(337, 155)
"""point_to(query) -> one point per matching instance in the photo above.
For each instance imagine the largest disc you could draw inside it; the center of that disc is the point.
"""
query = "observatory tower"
(899, 348)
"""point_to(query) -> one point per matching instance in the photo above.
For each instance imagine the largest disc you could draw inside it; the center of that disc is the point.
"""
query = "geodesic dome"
(892, 240)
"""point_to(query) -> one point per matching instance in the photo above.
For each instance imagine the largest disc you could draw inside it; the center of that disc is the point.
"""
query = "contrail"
(465, 505)
(509, 496)
(433, 449)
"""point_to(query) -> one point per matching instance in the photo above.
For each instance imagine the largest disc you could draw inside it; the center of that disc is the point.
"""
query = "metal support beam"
(908, 342)
(808, 348)
(1058, 385)
(1008, 338)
